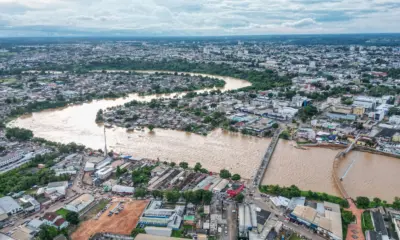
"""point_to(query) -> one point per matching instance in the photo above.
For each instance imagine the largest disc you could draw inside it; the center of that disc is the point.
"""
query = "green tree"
(224, 173)
(47, 232)
(285, 135)
(236, 177)
(172, 164)
(72, 217)
(183, 165)
(239, 198)
(362, 202)
(377, 202)
(157, 194)
(136, 231)
(19, 134)
(150, 127)
(197, 167)
(140, 193)
(347, 217)
(275, 125)
(172, 196)
(118, 172)
(99, 116)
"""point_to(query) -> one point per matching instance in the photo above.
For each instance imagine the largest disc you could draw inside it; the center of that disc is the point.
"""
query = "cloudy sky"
(196, 17)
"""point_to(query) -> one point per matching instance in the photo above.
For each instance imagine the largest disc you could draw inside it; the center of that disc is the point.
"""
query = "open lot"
(123, 223)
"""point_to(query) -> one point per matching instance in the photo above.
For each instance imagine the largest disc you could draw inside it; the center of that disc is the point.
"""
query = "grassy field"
(63, 212)
(294, 237)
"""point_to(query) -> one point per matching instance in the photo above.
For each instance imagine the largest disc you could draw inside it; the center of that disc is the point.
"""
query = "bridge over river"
(265, 161)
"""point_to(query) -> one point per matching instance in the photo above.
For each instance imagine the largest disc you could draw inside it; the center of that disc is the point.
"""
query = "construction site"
(119, 217)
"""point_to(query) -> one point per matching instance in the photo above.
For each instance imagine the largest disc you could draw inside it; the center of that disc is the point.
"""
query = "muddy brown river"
(370, 175)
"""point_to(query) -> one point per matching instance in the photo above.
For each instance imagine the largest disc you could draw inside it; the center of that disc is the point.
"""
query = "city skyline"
(21, 18)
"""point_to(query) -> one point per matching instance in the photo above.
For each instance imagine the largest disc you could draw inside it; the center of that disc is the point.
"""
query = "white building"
(104, 173)
(80, 203)
(122, 189)
(9, 205)
(395, 119)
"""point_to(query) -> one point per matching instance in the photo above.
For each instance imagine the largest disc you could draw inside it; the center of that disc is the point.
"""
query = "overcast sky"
(196, 17)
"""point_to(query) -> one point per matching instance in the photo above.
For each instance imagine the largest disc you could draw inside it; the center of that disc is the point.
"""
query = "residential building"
(55, 220)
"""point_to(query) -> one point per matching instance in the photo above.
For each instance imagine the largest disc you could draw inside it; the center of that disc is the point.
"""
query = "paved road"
(232, 221)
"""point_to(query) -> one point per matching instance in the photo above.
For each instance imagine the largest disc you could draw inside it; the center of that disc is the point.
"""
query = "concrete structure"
(28, 231)
(359, 111)
(56, 187)
(326, 221)
(395, 119)
(80, 203)
(89, 167)
(221, 185)
(158, 231)
(155, 215)
(9, 205)
(153, 237)
(339, 116)
(122, 189)
(30, 204)
(241, 218)
(104, 173)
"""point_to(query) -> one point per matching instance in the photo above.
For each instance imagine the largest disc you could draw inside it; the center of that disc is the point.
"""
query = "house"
(55, 220)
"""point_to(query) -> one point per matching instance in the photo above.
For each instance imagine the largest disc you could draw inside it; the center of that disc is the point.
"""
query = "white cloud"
(305, 22)
(201, 17)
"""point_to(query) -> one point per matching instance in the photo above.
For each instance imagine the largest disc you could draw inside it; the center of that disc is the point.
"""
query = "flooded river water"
(370, 175)
(218, 150)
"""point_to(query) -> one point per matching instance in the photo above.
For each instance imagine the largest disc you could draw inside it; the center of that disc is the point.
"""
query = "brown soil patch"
(123, 223)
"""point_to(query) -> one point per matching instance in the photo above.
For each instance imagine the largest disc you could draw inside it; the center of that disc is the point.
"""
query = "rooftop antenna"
(105, 142)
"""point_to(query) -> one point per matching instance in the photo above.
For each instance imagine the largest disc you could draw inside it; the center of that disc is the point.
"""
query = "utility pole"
(105, 142)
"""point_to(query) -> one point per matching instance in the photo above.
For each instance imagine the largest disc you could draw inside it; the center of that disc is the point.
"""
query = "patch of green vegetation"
(366, 221)
(347, 218)
(294, 237)
(177, 234)
(62, 212)
(8, 80)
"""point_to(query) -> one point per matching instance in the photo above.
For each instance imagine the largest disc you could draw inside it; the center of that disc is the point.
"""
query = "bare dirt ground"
(123, 223)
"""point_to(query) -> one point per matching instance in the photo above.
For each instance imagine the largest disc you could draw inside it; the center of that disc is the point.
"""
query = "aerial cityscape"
(231, 137)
